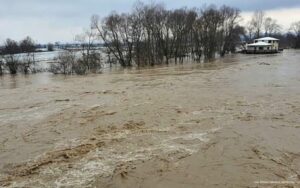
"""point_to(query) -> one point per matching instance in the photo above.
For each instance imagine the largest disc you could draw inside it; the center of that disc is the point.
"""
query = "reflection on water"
(20, 80)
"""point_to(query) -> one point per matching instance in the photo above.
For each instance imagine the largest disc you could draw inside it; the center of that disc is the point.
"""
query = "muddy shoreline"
(231, 124)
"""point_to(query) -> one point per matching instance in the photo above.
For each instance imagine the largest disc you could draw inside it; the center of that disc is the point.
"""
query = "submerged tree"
(13, 61)
(1, 65)
(115, 31)
(152, 35)
(210, 22)
(136, 20)
(28, 47)
(182, 21)
(11, 48)
(230, 30)
(65, 63)
(28, 60)
(90, 57)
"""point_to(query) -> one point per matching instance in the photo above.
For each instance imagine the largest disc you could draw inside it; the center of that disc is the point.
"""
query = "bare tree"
(249, 31)
(271, 27)
(65, 63)
(27, 63)
(295, 29)
(209, 24)
(116, 33)
(152, 35)
(136, 20)
(1, 61)
(50, 47)
(181, 25)
(27, 46)
(197, 39)
(153, 21)
(191, 17)
(1, 65)
(90, 55)
(257, 22)
(11, 48)
(229, 28)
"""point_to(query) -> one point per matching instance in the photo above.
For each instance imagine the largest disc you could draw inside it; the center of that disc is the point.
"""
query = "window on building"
(261, 48)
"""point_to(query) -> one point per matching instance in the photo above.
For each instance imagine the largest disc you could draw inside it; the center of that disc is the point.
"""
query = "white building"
(264, 45)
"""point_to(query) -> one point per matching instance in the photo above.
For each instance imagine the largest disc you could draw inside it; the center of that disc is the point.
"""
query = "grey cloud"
(19, 18)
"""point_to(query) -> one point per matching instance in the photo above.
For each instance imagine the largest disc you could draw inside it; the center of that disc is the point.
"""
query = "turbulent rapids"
(228, 123)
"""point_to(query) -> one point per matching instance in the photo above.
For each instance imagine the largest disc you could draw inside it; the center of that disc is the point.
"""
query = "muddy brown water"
(234, 122)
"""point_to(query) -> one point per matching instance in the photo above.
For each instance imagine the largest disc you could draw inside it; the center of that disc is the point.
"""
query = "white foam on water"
(84, 174)
(104, 161)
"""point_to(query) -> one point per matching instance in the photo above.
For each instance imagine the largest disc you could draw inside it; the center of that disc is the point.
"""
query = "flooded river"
(234, 122)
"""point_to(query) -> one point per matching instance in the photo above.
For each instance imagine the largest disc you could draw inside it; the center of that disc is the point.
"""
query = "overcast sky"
(60, 20)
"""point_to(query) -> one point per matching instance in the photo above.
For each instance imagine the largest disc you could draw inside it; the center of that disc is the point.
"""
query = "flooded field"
(234, 122)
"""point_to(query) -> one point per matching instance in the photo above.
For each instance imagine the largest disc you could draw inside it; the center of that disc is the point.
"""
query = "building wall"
(265, 49)
(275, 44)
(252, 48)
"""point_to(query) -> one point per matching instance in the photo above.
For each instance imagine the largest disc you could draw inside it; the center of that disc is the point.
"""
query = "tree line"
(151, 35)
(83, 59)
(14, 47)
(12, 60)
(13, 63)
(261, 25)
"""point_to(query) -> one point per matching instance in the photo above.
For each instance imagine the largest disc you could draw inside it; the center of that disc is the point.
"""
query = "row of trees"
(294, 35)
(151, 35)
(12, 62)
(261, 25)
(19, 56)
(82, 62)
(26, 45)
